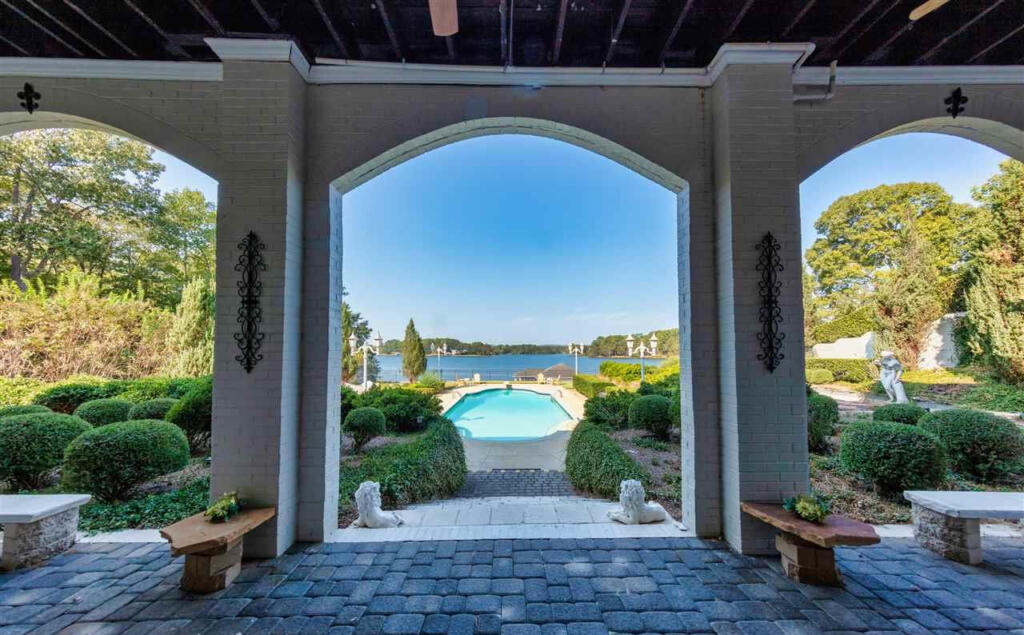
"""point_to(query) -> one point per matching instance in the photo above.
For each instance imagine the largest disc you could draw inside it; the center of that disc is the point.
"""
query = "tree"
(190, 337)
(181, 237)
(414, 358)
(352, 365)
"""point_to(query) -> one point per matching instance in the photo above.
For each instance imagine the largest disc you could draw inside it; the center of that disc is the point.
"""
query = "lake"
(492, 367)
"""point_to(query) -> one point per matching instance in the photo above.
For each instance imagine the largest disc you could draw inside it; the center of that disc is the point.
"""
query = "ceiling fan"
(444, 15)
(925, 8)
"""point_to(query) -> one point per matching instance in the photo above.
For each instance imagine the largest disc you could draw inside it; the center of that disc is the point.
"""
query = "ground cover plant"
(148, 511)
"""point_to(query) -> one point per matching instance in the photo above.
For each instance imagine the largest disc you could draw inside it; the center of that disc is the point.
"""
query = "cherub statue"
(371, 515)
(634, 511)
(890, 376)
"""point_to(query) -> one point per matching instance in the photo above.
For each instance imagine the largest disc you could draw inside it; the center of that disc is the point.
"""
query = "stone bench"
(949, 523)
(213, 551)
(37, 526)
(806, 548)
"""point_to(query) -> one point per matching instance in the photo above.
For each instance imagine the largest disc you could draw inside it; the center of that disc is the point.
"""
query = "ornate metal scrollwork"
(29, 98)
(769, 264)
(955, 101)
(250, 264)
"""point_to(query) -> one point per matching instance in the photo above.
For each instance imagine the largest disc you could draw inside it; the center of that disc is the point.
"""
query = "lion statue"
(634, 511)
(371, 515)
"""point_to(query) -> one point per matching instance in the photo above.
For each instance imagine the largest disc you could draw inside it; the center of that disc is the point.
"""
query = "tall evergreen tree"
(190, 338)
(414, 358)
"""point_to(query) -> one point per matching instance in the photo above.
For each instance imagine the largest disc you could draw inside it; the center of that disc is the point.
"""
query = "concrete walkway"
(853, 401)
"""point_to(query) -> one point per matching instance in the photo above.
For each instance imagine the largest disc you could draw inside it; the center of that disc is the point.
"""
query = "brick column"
(256, 415)
(763, 415)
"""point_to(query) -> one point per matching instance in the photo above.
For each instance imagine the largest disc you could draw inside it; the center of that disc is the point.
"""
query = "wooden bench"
(213, 551)
(807, 548)
(949, 523)
(37, 526)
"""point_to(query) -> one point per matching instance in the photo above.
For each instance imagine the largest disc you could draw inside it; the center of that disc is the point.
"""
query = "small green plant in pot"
(811, 507)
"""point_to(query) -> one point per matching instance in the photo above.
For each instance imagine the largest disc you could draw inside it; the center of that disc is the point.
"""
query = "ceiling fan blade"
(444, 15)
(925, 8)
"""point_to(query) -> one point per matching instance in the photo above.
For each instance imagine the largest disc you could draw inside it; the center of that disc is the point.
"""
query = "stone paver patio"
(519, 587)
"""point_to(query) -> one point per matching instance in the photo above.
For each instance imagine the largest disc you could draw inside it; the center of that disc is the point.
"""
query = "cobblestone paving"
(515, 483)
(519, 587)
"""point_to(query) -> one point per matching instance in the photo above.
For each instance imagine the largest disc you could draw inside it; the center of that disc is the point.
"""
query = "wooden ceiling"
(592, 33)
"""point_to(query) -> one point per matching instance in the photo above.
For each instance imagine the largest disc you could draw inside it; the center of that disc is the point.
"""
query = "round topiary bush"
(194, 414)
(822, 417)
(32, 445)
(100, 412)
(979, 444)
(31, 409)
(819, 376)
(151, 409)
(652, 413)
(364, 424)
(907, 413)
(893, 456)
(66, 397)
(109, 462)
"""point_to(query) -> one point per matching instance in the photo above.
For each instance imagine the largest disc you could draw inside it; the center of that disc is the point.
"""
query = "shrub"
(100, 412)
(151, 409)
(405, 410)
(623, 371)
(822, 417)
(590, 386)
(65, 397)
(111, 461)
(29, 409)
(596, 464)
(431, 383)
(852, 324)
(19, 390)
(139, 390)
(893, 456)
(610, 411)
(899, 413)
(194, 414)
(364, 424)
(652, 413)
(819, 376)
(851, 370)
(32, 446)
(349, 400)
(978, 443)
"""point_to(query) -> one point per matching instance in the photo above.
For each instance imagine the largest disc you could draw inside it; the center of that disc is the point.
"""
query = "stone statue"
(890, 376)
(371, 516)
(634, 510)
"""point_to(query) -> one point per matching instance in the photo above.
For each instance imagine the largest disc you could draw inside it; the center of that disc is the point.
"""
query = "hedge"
(907, 413)
(194, 414)
(978, 443)
(822, 417)
(100, 412)
(852, 324)
(364, 424)
(596, 464)
(590, 386)
(817, 376)
(893, 456)
(111, 461)
(152, 409)
(623, 371)
(652, 413)
(32, 446)
(28, 409)
(148, 388)
(405, 409)
(851, 370)
(431, 466)
(66, 396)
(611, 410)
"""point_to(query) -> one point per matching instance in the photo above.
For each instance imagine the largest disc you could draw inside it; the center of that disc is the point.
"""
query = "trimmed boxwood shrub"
(596, 464)
(65, 397)
(100, 412)
(111, 461)
(652, 413)
(611, 410)
(29, 409)
(851, 370)
(405, 410)
(193, 413)
(147, 388)
(978, 443)
(151, 409)
(590, 386)
(364, 424)
(32, 446)
(899, 412)
(893, 456)
(822, 417)
(819, 376)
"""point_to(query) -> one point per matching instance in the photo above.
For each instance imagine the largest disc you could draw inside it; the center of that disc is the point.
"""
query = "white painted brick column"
(256, 415)
(763, 415)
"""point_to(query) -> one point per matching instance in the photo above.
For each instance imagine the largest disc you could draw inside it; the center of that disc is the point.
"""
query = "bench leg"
(957, 539)
(26, 544)
(212, 570)
(806, 562)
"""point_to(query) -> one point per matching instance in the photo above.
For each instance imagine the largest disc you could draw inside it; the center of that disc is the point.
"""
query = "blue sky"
(525, 239)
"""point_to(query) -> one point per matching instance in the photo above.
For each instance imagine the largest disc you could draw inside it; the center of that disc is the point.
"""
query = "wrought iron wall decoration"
(769, 264)
(29, 98)
(955, 101)
(250, 264)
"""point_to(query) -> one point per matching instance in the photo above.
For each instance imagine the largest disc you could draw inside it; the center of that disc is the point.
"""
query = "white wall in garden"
(938, 346)
(862, 347)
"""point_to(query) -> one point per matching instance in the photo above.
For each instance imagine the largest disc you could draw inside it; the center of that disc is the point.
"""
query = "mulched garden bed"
(662, 460)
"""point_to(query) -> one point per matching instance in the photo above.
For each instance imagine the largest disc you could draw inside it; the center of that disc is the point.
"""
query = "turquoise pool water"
(506, 415)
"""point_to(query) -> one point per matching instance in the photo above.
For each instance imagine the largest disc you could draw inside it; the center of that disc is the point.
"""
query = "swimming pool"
(506, 415)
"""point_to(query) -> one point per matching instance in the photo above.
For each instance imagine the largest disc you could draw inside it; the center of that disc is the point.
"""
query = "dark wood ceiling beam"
(42, 28)
(963, 27)
(799, 16)
(329, 24)
(556, 47)
(17, 47)
(736, 21)
(207, 15)
(674, 31)
(99, 27)
(66, 28)
(395, 45)
(889, 42)
(846, 29)
(617, 31)
(267, 19)
(983, 52)
(175, 48)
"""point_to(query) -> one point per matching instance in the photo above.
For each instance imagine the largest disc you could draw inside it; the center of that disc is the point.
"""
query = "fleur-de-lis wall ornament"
(29, 98)
(955, 101)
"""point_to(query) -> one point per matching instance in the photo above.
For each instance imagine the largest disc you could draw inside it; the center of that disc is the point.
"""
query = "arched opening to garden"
(509, 272)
